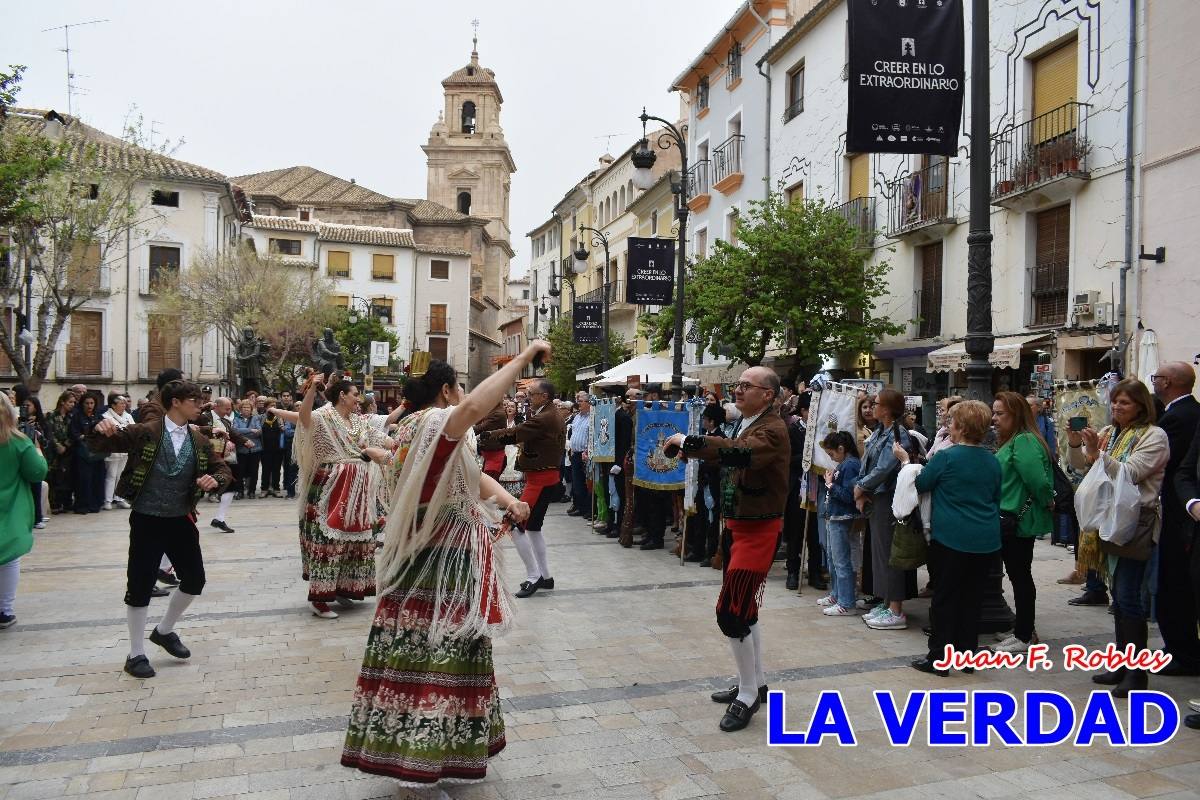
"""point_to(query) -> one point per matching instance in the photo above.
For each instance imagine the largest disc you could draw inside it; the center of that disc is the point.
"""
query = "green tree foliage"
(799, 273)
(24, 160)
(568, 357)
(356, 337)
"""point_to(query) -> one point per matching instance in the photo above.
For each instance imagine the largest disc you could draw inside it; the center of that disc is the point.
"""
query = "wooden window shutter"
(1055, 77)
(859, 174)
(6, 366)
(383, 266)
(931, 290)
(338, 263)
(1051, 271)
(83, 351)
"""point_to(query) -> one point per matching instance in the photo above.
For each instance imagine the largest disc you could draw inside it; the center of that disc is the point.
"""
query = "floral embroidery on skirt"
(333, 567)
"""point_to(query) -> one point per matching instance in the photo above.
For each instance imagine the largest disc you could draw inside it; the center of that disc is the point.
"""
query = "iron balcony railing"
(697, 179)
(148, 369)
(919, 198)
(794, 110)
(615, 294)
(96, 364)
(860, 213)
(1046, 147)
(727, 158)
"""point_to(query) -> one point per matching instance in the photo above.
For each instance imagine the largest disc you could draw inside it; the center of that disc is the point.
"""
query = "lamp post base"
(994, 614)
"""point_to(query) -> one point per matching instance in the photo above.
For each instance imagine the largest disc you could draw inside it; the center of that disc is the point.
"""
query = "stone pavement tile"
(1145, 784)
(736, 781)
(175, 791)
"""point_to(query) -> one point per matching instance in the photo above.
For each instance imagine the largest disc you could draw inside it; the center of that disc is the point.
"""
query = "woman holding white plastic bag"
(1135, 447)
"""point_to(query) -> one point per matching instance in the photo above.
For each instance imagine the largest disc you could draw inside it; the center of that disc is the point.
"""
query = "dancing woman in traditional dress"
(426, 708)
(343, 496)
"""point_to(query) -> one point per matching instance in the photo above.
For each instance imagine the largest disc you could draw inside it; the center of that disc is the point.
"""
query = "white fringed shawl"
(454, 536)
(338, 442)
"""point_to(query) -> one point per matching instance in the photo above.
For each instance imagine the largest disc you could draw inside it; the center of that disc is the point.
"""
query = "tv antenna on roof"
(66, 48)
(608, 137)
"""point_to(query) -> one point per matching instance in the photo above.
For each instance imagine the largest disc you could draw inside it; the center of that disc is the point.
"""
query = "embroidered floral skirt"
(333, 567)
(422, 712)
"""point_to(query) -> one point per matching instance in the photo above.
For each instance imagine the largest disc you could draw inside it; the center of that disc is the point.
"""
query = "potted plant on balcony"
(1075, 149)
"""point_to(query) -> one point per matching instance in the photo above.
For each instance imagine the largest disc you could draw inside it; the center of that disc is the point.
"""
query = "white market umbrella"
(1148, 356)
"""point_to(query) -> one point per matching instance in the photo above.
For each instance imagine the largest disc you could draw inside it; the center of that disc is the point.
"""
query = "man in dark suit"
(1175, 601)
(622, 448)
(1187, 489)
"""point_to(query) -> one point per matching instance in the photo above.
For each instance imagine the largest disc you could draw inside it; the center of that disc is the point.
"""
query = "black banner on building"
(586, 323)
(651, 272)
(906, 76)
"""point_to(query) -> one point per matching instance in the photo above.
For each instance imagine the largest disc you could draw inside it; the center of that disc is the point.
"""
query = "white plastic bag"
(1093, 497)
(1120, 525)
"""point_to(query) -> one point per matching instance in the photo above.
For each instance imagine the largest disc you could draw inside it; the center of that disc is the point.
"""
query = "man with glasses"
(1175, 601)
(580, 441)
(754, 489)
(542, 440)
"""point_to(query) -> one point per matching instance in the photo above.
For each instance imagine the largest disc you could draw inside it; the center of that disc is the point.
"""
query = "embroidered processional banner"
(695, 407)
(654, 424)
(1077, 399)
(604, 430)
(831, 410)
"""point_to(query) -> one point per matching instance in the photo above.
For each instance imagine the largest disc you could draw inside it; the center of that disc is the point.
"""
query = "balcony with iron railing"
(697, 185)
(727, 164)
(1042, 161)
(77, 363)
(616, 296)
(148, 368)
(860, 213)
(919, 204)
(794, 110)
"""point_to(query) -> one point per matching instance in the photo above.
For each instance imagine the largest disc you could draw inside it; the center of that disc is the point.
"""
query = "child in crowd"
(840, 514)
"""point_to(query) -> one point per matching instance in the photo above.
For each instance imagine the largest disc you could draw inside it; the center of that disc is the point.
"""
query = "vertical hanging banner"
(654, 424)
(651, 272)
(906, 76)
(586, 323)
(604, 431)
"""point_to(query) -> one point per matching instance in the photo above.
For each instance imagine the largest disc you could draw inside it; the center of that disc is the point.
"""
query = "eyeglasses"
(744, 385)
(1156, 377)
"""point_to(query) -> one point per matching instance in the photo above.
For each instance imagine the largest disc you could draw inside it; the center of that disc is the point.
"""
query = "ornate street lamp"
(643, 159)
(599, 238)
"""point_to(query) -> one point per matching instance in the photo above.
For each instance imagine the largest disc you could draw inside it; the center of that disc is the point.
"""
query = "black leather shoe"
(545, 583)
(652, 546)
(220, 525)
(727, 696)
(168, 578)
(571, 512)
(612, 533)
(737, 716)
(706, 562)
(170, 642)
(1192, 721)
(819, 585)
(1179, 669)
(793, 581)
(1089, 599)
(139, 667)
(528, 588)
(926, 665)
(159, 591)
(1109, 678)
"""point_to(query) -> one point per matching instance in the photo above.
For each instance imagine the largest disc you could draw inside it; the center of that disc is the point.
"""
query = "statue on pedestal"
(327, 354)
(252, 354)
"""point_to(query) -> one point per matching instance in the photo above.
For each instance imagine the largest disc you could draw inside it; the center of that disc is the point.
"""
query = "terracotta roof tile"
(434, 250)
(306, 185)
(273, 223)
(366, 234)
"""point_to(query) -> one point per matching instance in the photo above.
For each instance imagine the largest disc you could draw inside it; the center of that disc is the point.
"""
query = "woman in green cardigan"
(21, 463)
(1026, 498)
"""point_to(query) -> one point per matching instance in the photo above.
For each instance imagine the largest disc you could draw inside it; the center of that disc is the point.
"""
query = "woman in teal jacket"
(21, 463)
(1026, 498)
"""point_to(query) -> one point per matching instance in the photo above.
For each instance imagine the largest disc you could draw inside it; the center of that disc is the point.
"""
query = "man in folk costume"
(542, 438)
(169, 469)
(754, 490)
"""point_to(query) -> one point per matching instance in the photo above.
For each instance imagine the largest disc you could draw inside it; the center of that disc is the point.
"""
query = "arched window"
(468, 117)
(629, 186)
(654, 222)
(621, 207)
(464, 202)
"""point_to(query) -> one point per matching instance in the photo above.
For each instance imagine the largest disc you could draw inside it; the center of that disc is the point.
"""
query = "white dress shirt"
(177, 433)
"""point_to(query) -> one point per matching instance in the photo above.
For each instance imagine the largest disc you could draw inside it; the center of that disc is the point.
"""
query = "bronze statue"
(252, 353)
(327, 354)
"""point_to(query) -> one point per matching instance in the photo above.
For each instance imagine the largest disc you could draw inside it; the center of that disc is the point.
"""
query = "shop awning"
(1006, 354)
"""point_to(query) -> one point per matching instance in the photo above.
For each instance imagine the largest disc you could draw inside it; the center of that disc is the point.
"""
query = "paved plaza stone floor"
(605, 684)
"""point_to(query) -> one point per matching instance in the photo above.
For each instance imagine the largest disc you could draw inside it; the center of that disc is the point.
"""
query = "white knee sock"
(525, 551)
(760, 673)
(135, 618)
(165, 563)
(223, 508)
(539, 553)
(743, 656)
(179, 604)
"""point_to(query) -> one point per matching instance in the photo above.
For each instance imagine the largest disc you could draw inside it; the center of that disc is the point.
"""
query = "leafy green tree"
(798, 279)
(568, 357)
(356, 337)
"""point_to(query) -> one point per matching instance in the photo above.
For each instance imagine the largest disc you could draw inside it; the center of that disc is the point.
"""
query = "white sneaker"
(888, 621)
(40, 524)
(875, 612)
(1002, 635)
(838, 611)
(827, 600)
(1012, 645)
(1194, 705)
(106, 507)
(120, 502)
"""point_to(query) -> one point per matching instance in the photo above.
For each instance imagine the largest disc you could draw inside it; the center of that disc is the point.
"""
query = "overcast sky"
(254, 86)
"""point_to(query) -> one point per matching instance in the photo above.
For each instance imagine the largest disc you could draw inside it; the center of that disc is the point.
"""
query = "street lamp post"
(581, 256)
(364, 304)
(643, 178)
